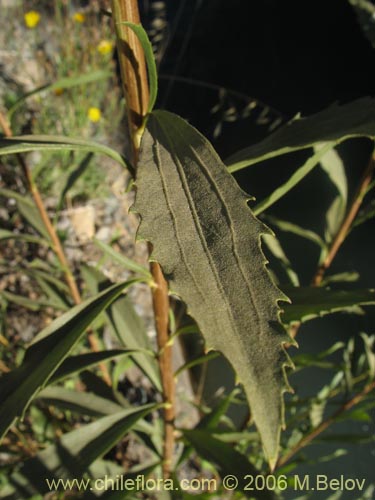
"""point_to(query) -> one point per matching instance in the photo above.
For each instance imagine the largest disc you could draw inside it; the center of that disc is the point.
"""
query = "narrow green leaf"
(150, 60)
(31, 304)
(25, 143)
(365, 11)
(10, 235)
(83, 403)
(78, 449)
(210, 421)
(73, 178)
(348, 438)
(63, 83)
(229, 461)
(128, 327)
(346, 277)
(301, 360)
(123, 260)
(274, 246)
(235, 437)
(75, 364)
(290, 227)
(45, 354)
(27, 208)
(311, 302)
(88, 403)
(334, 124)
(298, 175)
(132, 474)
(196, 361)
(333, 165)
(55, 297)
(365, 214)
(208, 243)
(185, 330)
(369, 344)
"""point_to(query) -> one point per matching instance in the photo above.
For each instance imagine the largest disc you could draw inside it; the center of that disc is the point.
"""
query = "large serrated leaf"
(208, 243)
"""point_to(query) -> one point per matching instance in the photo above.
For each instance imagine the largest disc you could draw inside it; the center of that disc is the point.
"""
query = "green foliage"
(47, 351)
(226, 458)
(182, 184)
(77, 450)
(61, 84)
(332, 125)
(308, 302)
(55, 143)
(209, 244)
(150, 60)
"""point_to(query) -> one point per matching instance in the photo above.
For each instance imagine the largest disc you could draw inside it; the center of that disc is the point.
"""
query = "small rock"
(104, 234)
(83, 222)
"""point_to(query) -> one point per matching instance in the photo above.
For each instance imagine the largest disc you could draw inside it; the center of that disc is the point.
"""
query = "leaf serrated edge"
(287, 340)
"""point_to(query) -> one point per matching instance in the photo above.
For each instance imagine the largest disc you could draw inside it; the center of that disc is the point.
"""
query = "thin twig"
(326, 423)
(343, 231)
(161, 307)
(55, 241)
(136, 90)
(347, 222)
(316, 281)
(56, 245)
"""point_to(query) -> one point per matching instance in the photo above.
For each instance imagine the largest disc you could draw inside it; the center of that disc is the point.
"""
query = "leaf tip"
(272, 462)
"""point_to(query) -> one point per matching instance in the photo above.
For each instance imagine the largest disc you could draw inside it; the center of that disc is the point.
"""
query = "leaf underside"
(334, 124)
(207, 241)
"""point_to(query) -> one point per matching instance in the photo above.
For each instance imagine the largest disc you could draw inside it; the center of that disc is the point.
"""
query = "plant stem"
(132, 67)
(56, 245)
(136, 90)
(161, 308)
(347, 222)
(326, 423)
(55, 241)
(343, 231)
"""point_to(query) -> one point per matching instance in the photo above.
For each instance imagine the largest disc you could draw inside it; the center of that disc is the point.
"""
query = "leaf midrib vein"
(197, 224)
(233, 238)
(205, 169)
(174, 218)
(198, 227)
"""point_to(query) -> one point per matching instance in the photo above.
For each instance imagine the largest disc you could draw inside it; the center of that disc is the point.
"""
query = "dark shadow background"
(291, 57)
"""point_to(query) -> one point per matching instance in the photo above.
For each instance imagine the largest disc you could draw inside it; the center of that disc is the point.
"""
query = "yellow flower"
(78, 17)
(31, 18)
(58, 91)
(105, 47)
(94, 114)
